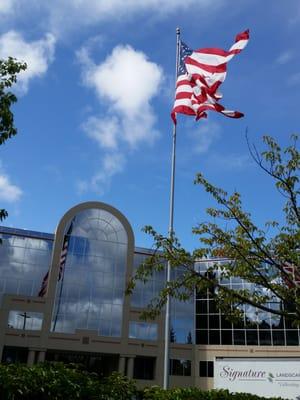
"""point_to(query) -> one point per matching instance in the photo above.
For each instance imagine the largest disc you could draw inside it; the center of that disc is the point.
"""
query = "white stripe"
(183, 102)
(208, 59)
(240, 45)
(184, 88)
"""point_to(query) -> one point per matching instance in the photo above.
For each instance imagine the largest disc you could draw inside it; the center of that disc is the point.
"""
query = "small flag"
(200, 74)
(62, 262)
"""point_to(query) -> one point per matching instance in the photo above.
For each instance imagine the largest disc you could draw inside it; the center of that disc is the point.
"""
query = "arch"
(93, 247)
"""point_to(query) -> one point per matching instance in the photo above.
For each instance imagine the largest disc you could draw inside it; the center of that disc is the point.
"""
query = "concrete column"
(31, 357)
(130, 367)
(41, 356)
(122, 365)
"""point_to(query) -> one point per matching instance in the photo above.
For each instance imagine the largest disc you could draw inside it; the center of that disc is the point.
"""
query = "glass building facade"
(257, 328)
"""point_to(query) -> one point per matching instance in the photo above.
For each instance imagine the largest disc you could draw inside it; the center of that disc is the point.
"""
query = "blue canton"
(184, 52)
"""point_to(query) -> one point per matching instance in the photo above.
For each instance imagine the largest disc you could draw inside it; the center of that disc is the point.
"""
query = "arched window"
(90, 290)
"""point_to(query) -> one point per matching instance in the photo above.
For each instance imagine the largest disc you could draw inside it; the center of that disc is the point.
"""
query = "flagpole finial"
(177, 31)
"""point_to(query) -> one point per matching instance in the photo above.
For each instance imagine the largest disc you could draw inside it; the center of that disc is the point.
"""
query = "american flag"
(200, 73)
(62, 262)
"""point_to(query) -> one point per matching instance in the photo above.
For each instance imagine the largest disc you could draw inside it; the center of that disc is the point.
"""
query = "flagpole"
(170, 233)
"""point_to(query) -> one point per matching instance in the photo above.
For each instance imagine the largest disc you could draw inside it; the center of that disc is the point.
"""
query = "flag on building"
(62, 262)
(200, 74)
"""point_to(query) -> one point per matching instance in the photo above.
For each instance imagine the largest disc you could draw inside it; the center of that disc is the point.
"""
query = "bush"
(57, 381)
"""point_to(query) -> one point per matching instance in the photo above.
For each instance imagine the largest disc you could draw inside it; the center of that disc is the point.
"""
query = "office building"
(62, 299)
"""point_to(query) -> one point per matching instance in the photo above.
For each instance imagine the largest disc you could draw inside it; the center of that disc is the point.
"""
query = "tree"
(267, 258)
(8, 76)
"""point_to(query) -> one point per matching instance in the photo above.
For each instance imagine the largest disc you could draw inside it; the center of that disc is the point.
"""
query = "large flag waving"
(200, 73)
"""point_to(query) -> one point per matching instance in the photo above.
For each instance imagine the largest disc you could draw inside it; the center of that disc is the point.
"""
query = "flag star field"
(94, 106)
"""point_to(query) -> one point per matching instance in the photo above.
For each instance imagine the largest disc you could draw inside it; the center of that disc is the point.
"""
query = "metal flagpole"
(171, 230)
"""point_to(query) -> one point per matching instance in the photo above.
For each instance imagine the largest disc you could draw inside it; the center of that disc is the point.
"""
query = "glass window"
(90, 292)
(144, 368)
(24, 262)
(206, 369)
(180, 367)
(26, 320)
(142, 330)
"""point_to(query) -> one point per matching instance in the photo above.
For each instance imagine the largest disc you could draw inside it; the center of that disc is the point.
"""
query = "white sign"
(269, 377)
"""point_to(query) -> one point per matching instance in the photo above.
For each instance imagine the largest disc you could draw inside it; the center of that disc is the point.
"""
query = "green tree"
(268, 258)
(8, 76)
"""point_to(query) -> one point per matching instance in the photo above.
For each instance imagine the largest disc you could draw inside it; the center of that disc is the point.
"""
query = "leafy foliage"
(157, 393)
(57, 381)
(8, 76)
(269, 262)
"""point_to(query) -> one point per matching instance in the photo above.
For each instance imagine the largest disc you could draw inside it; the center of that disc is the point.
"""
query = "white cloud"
(126, 81)
(37, 54)
(285, 57)
(204, 135)
(6, 6)
(112, 164)
(126, 78)
(8, 192)
(61, 16)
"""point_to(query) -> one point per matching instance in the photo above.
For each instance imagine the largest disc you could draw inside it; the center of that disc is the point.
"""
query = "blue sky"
(93, 114)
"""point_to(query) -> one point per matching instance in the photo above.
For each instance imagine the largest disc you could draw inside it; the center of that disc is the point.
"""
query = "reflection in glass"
(142, 330)
(180, 367)
(91, 291)
(23, 263)
(25, 320)
(256, 327)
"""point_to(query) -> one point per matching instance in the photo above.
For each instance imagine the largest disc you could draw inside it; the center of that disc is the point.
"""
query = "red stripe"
(242, 36)
(214, 51)
(183, 95)
(209, 68)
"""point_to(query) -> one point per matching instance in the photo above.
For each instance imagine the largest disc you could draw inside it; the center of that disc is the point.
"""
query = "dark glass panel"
(265, 338)
(212, 307)
(210, 369)
(239, 337)
(278, 338)
(214, 321)
(203, 368)
(252, 337)
(240, 324)
(225, 324)
(201, 321)
(201, 337)
(201, 307)
(214, 336)
(226, 336)
(144, 368)
(292, 338)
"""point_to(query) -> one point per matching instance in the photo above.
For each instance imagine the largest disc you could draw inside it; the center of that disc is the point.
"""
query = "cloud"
(37, 54)
(8, 192)
(112, 164)
(204, 135)
(126, 82)
(6, 6)
(285, 57)
(61, 16)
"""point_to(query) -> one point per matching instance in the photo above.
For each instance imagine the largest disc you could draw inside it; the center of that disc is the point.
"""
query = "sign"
(269, 377)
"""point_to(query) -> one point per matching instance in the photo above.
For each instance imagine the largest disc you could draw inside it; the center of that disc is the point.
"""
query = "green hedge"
(57, 381)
